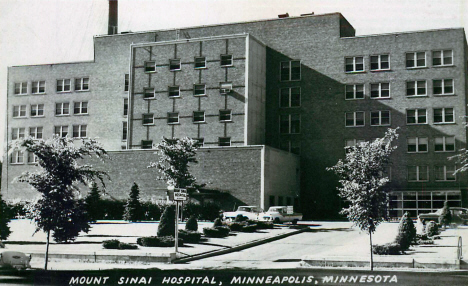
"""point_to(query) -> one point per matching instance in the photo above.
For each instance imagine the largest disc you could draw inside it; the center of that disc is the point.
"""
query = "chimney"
(113, 17)
(281, 16)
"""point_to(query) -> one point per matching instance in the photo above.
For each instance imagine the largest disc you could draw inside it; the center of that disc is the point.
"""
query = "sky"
(56, 31)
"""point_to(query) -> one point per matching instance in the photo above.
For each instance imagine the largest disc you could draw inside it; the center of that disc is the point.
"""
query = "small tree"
(59, 171)
(4, 219)
(362, 176)
(166, 225)
(191, 224)
(93, 203)
(133, 206)
(445, 217)
(406, 232)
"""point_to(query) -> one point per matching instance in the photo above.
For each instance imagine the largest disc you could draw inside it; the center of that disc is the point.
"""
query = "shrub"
(133, 206)
(264, 224)
(422, 237)
(424, 242)
(249, 228)
(154, 241)
(236, 226)
(387, 249)
(111, 209)
(216, 232)
(166, 225)
(111, 244)
(150, 211)
(192, 209)
(445, 217)
(93, 201)
(4, 220)
(217, 222)
(432, 229)
(189, 236)
(209, 211)
(240, 218)
(406, 232)
(68, 227)
(191, 224)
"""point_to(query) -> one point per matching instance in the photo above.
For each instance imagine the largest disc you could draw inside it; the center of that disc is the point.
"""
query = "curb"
(237, 248)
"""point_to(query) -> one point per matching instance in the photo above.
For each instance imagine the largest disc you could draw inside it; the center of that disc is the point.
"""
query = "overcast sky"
(54, 31)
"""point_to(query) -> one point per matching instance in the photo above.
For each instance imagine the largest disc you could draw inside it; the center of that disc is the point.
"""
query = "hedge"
(189, 236)
(387, 249)
(216, 232)
(115, 244)
(154, 241)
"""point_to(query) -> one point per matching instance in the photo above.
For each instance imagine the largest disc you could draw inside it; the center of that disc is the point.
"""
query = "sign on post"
(180, 194)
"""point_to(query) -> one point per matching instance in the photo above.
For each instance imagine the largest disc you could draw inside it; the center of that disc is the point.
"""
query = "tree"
(166, 225)
(4, 220)
(362, 176)
(462, 161)
(406, 232)
(174, 159)
(191, 224)
(56, 180)
(92, 201)
(133, 206)
(445, 217)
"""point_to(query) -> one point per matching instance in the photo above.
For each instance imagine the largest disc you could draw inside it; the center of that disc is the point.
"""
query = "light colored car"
(281, 214)
(459, 215)
(248, 212)
(14, 259)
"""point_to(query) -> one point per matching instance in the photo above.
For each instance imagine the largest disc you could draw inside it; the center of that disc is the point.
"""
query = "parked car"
(459, 215)
(248, 212)
(281, 214)
(14, 259)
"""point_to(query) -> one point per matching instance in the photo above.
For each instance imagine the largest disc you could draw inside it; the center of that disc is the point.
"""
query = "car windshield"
(245, 209)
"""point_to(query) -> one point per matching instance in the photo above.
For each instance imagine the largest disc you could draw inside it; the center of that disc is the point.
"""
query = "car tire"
(294, 221)
(276, 220)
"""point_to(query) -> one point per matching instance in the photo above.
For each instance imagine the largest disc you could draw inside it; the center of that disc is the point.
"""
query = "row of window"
(222, 141)
(174, 91)
(421, 173)
(225, 115)
(62, 85)
(413, 89)
(199, 63)
(413, 60)
(62, 108)
(79, 131)
(419, 144)
(413, 116)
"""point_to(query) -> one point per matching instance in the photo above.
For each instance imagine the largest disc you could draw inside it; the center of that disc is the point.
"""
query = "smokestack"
(113, 17)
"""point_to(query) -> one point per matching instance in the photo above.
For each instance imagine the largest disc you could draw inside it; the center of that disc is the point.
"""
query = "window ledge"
(381, 70)
(445, 123)
(149, 98)
(37, 116)
(148, 124)
(444, 66)
(444, 151)
(174, 96)
(150, 71)
(199, 122)
(226, 121)
(200, 95)
(175, 123)
(42, 93)
(380, 98)
(21, 94)
(444, 95)
(175, 70)
(416, 68)
(416, 123)
(351, 99)
(355, 72)
(62, 115)
(22, 117)
(201, 68)
(80, 114)
(16, 163)
(355, 126)
(66, 91)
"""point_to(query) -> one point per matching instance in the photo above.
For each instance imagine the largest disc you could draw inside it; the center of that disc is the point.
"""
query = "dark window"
(126, 82)
(173, 117)
(226, 60)
(149, 93)
(199, 116)
(199, 89)
(224, 141)
(225, 115)
(200, 62)
(174, 65)
(150, 66)
(174, 91)
(146, 144)
(148, 119)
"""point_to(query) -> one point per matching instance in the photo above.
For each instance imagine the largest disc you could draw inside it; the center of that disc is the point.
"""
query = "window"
(174, 91)
(445, 173)
(80, 107)
(62, 108)
(444, 144)
(353, 119)
(418, 173)
(125, 109)
(199, 89)
(32, 159)
(63, 85)
(380, 118)
(17, 133)
(150, 66)
(226, 60)
(146, 144)
(79, 131)
(351, 143)
(290, 70)
(416, 60)
(290, 123)
(200, 62)
(126, 82)
(174, 65)
(444, 115)
(224, 141)
(290, 97)
(61, 131)
(124, 130)
(173, 117)
(148, 119)
(19, 111)
(354, 91)
(417, 145)
(198, 116)
(380, 62)
(36, 132)
(380, 90)
(225, 88)
(416, 116)
(200, 141)
(21, 88)
(17, 157)
(149, 93)
(442, 58)
(225, 115)
(82, 84)
(37, 110)
(442, 86)
(38, 87)
(354, 64)
(416, 88)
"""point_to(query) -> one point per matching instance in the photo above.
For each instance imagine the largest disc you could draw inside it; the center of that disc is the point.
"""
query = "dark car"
(459, 215)
(14, 259)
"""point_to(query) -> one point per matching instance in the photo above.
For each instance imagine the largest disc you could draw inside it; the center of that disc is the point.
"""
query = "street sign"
(180, 195)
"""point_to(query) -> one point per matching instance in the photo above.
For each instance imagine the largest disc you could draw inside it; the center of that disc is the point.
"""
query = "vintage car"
(248, 212)
(459, 215)
(14, 259)
(281, 214)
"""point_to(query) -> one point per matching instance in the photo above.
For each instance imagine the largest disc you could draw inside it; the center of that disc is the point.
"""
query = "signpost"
(180, 195)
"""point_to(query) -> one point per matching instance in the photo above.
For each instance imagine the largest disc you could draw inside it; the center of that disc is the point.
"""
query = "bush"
(445, 217)
(166, 226)
(4, 220)
(191, 224)
(264, 224)
(209, 211)
(432, 229)
(150, 211)
(424, 242)
(154, 241)
(387, 249)
(115, 244)
(217, 222)
(189, 236)
(192, 209)
(93, 203)
(216, 232)
(133, 206)
(249, 228)
(240, 218)
(68, 227)
(236, 226)
(111, 209)
(406, 232)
